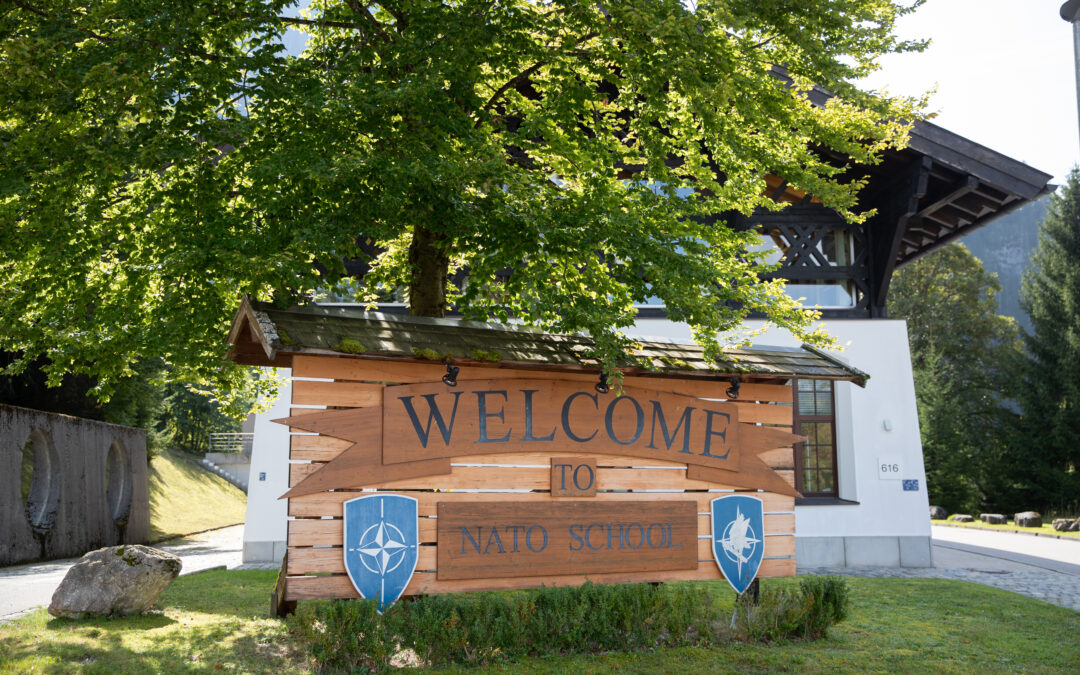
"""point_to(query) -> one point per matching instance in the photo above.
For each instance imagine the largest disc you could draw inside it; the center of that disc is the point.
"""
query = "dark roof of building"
(265, 335)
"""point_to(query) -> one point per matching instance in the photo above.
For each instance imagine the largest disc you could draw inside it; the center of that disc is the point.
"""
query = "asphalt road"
(24, 587)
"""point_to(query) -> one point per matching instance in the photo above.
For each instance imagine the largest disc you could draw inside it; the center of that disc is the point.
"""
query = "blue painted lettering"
(577, 538)
(481, 405)
(658, 415)
(528, 538)
(529, 418)
(466, 534)
(566, 416)
(709, 433)
(641, 535)
(609, 420)
(433, 414)
(493, 538)
(577, 483)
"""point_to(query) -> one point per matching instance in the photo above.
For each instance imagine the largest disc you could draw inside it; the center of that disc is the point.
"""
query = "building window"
(815, 418)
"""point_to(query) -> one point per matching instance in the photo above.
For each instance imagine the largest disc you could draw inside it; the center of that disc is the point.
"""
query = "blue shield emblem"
(738, 525)
(381, 542)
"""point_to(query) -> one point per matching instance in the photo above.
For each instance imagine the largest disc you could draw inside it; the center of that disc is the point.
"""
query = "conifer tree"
(1047, 470)
(963, 355)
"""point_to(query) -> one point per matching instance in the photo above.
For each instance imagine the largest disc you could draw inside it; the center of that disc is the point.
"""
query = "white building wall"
(885, 525)
(266, 520)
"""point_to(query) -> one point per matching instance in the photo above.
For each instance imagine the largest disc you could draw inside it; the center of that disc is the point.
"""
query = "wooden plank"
(695, 553)
(329, 531)
(330, 503)
(296, 412)
(521, 478)
(573, 477)
(316, 448)
(374, 370)
(332, 561)
(336, 394)
(308, 588)
(780, 458)
(760, 413)
(564, 538)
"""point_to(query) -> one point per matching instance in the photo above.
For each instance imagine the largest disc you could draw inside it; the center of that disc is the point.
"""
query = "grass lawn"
(1008, 527)
(216, 622)
(185, 498)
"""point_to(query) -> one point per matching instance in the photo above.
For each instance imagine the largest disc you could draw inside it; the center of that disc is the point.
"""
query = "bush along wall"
(481, 628)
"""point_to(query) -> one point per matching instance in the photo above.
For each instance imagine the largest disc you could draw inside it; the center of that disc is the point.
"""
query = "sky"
(1005, 76)
(1004, 72)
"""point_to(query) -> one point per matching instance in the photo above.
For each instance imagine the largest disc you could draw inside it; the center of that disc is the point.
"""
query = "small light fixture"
(602, 385)
(450, 378)
(733, 390)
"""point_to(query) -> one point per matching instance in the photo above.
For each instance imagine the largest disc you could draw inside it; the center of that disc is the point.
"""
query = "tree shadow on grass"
(83, 646)
(104, 624)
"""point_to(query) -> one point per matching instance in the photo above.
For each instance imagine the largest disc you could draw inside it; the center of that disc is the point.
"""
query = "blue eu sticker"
(381, 545)
(911, 484)
(738, 527)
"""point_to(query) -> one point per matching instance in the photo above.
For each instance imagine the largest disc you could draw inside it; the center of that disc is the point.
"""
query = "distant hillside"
(1005, 247)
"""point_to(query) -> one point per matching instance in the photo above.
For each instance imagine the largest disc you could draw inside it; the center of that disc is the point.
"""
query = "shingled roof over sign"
(263, 335)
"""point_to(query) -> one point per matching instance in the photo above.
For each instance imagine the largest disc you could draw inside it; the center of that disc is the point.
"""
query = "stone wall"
(88, 488)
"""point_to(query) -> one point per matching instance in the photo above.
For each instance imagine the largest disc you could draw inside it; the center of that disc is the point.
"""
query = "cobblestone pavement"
(25, 587)
(1044, 579)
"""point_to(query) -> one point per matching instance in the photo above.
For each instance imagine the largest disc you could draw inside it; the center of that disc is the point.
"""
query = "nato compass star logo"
(381, 545)
(736, 520)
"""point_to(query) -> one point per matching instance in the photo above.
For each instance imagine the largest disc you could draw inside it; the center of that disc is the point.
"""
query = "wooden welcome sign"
(519, 478)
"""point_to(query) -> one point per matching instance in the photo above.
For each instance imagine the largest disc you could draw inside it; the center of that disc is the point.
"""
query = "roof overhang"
(264, 335)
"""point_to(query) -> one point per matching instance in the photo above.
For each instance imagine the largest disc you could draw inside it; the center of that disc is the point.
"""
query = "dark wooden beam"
(948, 195)
(898, 204)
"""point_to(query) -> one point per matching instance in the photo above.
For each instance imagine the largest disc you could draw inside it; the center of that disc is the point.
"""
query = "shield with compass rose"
(738, 524)
(381, 544)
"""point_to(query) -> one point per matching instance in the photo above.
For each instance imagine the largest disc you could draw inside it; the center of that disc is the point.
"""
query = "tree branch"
(362, 11)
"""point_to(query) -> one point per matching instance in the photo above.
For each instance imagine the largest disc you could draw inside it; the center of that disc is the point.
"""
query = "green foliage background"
(162, 158)
(965, 359)
(1048, 457)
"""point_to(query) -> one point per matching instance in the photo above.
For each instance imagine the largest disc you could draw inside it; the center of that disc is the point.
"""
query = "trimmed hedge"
(481, 628)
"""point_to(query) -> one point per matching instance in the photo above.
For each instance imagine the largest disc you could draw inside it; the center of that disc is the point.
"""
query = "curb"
(965, 526)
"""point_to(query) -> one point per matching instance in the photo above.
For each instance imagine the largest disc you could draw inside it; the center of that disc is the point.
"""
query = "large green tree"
(965, 358)
(160, 158)
(1050, 396)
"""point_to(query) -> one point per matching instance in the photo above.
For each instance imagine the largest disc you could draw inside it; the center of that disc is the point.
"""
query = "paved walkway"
(24, 587)
(1039, 567)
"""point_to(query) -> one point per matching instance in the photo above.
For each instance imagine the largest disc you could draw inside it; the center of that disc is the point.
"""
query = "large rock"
(1062, 524)
(114, 580)
(993, 518)
(1028, 519)
(938, 513)
(961, 518)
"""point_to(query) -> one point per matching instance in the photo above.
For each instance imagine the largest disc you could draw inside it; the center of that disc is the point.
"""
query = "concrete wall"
(885, 525)
(89, 488)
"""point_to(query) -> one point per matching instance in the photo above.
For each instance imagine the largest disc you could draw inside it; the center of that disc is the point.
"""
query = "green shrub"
(480, 628)
(780, 614)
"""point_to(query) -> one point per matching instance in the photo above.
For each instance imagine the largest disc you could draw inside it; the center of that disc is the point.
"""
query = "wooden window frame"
(797, 421)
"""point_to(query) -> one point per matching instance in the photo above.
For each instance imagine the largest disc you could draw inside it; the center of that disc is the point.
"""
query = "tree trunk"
(430, 269)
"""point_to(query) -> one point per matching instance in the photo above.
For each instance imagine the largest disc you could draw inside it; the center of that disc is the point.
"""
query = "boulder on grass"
(938, 513)
(114, 580)
(1062, 524)
(993, 518)
(1028, 519)
(1075, 527)
(961, 518)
